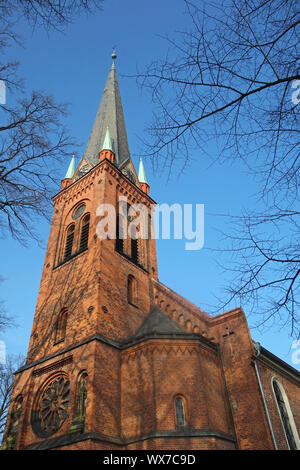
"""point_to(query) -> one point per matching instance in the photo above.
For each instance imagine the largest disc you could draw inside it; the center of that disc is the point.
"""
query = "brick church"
(119, 361)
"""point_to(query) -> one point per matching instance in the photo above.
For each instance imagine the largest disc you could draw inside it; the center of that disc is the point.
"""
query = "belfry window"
(286, 415)
(84, 236)
(134, 250)
(61, 325)
(69, 242)
(119, 234)
(180, 415)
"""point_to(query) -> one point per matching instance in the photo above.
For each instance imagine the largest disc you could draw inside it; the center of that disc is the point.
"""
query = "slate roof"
(110, 115)
(157, 322)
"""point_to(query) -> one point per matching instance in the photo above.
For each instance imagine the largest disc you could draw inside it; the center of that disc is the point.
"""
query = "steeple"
(142, 178)
(107, 141)
(71, 169)
(110, 115)
(106, 150)
(69, 175)
(142, 174)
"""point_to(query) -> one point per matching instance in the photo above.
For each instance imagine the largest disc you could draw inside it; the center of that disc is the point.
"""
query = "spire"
(142, 178)
(106, 150)
(71, 169)
(110, 114)
(107, 141)
(142, 174)
(69, 175)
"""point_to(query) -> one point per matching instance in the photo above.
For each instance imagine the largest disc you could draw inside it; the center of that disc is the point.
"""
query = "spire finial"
(114, 55)
(107, 141)
(142, 174)
(71, 169)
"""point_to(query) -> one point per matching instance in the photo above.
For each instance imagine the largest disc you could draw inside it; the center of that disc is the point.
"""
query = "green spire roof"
(142, 174)
(107, 141)
(71, 169)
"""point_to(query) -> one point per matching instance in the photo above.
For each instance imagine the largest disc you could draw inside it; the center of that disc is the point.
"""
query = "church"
(119, 361)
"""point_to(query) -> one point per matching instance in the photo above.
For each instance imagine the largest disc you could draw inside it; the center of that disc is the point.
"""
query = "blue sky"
(73, 66)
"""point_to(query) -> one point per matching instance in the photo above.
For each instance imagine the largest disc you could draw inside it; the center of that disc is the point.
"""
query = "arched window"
(180, 414)
(286, 415)
(131, 290)
(84, 236)
(81, 395)
(69, 242)
(61, 325)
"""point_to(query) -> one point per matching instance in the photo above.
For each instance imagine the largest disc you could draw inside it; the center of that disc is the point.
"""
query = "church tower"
(116, 359)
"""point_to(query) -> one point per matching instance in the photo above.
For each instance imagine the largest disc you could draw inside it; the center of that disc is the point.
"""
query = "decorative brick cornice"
(188, 306)
(55, 365)
(126, 344)
(174, 347)
(224, 317)
(82, 185)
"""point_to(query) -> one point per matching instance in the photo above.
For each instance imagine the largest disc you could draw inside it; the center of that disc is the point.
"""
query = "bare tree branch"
(6, 384)
(230, 79)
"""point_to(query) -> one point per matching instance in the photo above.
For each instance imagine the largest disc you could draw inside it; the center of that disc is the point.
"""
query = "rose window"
(52, 407)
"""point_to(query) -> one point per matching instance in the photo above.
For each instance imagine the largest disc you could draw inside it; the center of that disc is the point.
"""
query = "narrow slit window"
(84, 237)
(131, 290)
(180, 416)
(61, 325)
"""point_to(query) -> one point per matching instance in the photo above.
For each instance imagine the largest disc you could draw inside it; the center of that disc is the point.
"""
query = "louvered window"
(134, 250)
(119, 239)
(69, 243)
(84, 238)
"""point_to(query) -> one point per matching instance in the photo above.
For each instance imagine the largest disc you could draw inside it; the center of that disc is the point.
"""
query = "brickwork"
(85, 325)
(292, 391)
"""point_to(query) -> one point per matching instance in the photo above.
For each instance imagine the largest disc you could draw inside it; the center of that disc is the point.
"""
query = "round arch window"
(78, 212)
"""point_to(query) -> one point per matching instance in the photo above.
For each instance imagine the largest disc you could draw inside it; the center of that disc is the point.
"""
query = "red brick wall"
(293, 395)
(131, 392)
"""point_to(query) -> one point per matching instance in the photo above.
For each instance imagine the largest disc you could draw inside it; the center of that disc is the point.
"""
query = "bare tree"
(233, 79)
(6, 384)
(32, 140)
(49, 13)
(230, 77)
(265, 269)
(32, 135)
(5, 320)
